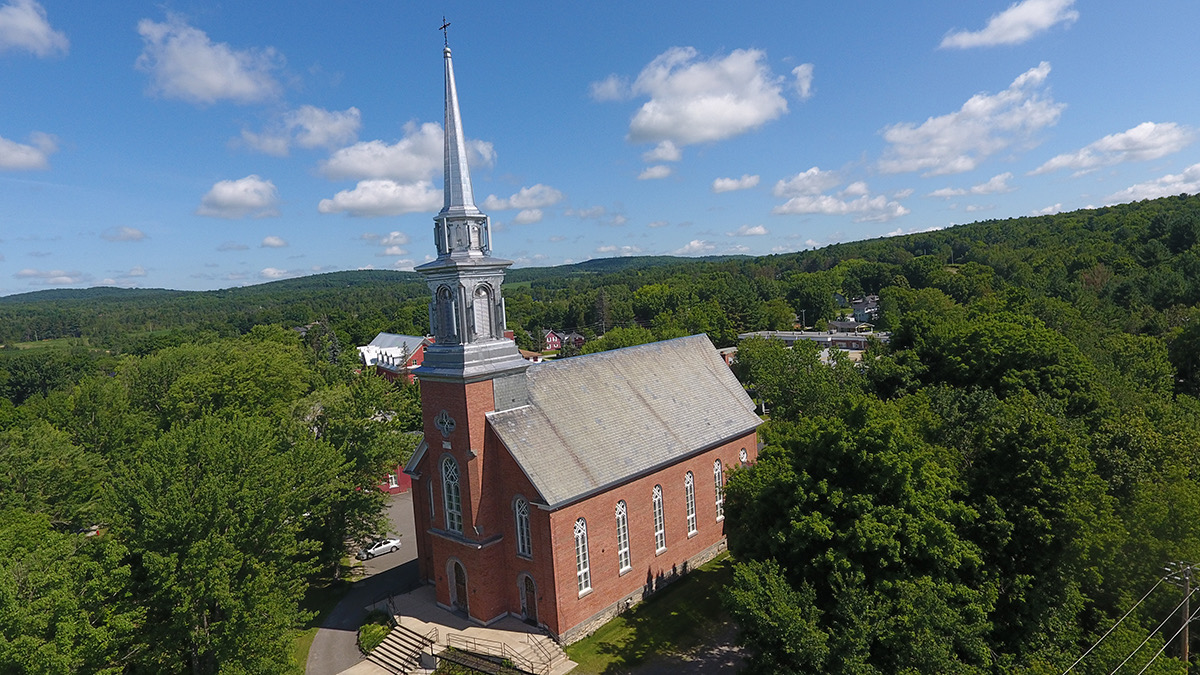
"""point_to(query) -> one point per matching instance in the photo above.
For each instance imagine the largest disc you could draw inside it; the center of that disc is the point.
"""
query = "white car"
(379, 548)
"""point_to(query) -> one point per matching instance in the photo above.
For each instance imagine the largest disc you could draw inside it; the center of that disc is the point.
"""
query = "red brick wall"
(649, 570)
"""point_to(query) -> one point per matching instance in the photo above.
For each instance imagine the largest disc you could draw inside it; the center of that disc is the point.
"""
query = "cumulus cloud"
(623, 251)
(415, 157)
(1186, 181)
(749, 231)
(23, 26)
(528, 217)
(274, 273)
(995, 185)
(185, 64)
(804, 79)
(853, 200)
(1020, 22)
(1048, 211)
(655, 172)
(52, 277)
(695, 100)
(666, 151)
(533, 197)
(249, 196)
(1144, 142)
(696, 247)
(34, 156)
(730, 184)
(811, 182)
(122, 233)
(986, 124)
(308, 127)
(382, 197)
(273, 242)
(611, 88)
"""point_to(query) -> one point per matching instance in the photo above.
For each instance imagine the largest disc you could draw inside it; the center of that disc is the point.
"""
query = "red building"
(564, 491)
(394, 356)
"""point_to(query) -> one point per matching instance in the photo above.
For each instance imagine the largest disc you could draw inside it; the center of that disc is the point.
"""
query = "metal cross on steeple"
(445, 34)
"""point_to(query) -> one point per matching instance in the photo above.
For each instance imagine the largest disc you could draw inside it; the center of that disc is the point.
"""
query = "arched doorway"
(528, 600)
(458, 588)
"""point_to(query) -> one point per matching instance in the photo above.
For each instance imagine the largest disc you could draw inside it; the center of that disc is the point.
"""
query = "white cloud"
(1186, 181)
(1020, 22)
(749, 231)
(590, 213)
(995, 185)
(804, 80)
(273, 242)
(900, 231)
(611, 88)
(413, 158)
(699, 101)
(384, 198)
(811, 182)
(666, 151)
(623, 251)
(52, 277)
(986, 124)
(1048, 211)
(533, 197)
(855, 199)
(1144, 142)
(655, 172)
(136, 272)
(696, 247)
(657, 223)
(23, 25)
(394, 238)
(308, 127)
(122, 233)
(394, 250)
(247, 196)
(274, 273)
(232, 246)
(528, 217)
(185, 64)
(20, 157)
(730, 184)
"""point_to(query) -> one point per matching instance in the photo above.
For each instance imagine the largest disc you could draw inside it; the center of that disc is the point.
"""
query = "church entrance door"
(460, 589)
(529, 600)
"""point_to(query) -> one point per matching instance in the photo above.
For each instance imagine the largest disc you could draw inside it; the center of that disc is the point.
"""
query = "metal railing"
(493, 648)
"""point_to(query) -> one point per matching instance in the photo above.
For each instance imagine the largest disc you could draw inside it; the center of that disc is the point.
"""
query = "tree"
(212, 513)
(42, 471)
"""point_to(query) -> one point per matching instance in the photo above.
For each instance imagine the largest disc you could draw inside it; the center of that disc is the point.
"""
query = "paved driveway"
(335, 647)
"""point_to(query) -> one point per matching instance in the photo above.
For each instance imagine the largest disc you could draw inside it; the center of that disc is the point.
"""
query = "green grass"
(57, 343)
(677, 619)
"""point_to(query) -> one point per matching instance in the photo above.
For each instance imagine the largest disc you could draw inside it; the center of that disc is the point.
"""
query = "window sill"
(720, 518)
(661, 551)
(525, 556)
(693, 533)
(586, 591)
(624, 570)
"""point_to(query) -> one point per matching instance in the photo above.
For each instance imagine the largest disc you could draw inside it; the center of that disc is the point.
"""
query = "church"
(559, 492)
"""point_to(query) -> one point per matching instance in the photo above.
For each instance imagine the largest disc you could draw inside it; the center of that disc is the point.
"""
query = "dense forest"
(991, 491)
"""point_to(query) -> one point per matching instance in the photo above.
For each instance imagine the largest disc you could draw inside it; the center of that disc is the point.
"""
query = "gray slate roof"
(392, 340)
(598, 420)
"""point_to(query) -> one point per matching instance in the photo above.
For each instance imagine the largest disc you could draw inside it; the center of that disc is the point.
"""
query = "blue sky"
(200, 145)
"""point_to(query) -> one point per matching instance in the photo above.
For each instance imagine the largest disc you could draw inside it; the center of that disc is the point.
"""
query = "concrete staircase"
(400, 652)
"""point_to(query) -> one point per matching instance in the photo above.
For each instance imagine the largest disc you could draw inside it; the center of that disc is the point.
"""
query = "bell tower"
(470, 370)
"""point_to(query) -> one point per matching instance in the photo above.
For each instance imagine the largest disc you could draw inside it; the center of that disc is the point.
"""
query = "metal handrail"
(491, 648)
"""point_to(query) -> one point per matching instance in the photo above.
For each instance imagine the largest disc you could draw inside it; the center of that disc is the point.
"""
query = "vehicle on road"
(379, 548)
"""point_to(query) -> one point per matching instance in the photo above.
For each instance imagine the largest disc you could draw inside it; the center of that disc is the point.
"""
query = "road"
(335, 647)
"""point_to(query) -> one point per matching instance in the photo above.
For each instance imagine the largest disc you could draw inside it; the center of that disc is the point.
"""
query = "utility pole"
(1180, 574)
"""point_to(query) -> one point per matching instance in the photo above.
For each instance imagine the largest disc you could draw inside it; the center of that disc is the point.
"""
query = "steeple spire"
(459, 199)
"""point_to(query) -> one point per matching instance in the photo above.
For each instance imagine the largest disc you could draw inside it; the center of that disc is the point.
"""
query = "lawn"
(678, 619)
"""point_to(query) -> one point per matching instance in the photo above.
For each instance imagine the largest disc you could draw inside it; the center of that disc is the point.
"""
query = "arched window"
(521, 513)
(451, 495)
(445, 314)
(582, 571)
(483, 312)
(719, 486)
(689, 489)
(623, 558)
(743, 456)
(660, 526)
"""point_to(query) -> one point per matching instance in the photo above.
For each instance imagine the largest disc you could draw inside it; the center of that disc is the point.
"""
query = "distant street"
(335, 647)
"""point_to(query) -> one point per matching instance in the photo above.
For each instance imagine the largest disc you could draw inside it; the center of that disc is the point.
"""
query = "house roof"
(598, 420)
(393, 341)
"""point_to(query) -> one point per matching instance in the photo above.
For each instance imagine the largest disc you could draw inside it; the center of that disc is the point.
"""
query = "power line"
(1152, 633)
(1114, 626)
(1167, 642)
